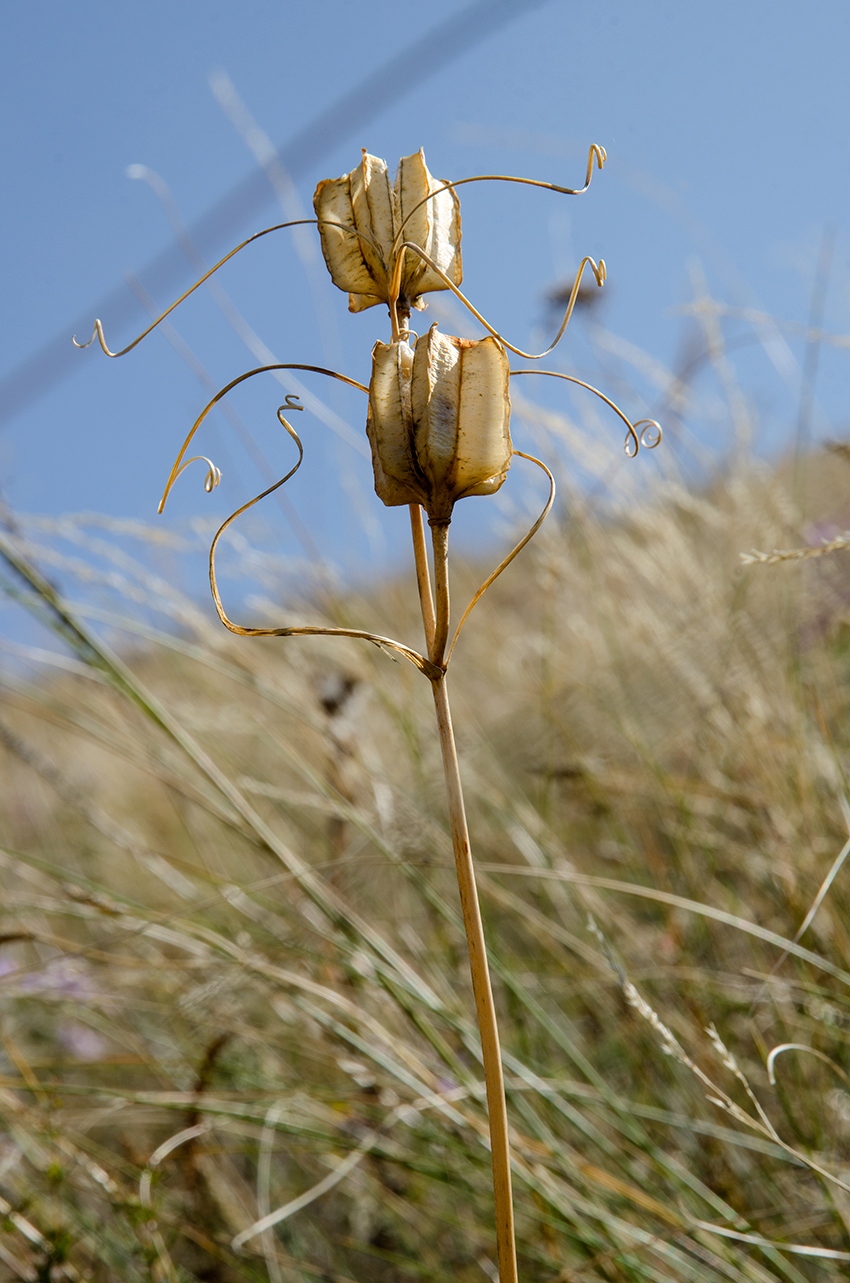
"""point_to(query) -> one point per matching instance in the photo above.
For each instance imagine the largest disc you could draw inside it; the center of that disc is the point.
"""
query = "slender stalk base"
(483, 992)
(435, 618)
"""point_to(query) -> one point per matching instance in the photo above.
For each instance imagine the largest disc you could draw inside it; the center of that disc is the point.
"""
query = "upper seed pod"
(439, 421)
(360, 217)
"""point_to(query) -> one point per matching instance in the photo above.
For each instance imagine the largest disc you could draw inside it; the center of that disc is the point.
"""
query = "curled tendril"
(597, 153)
(650, 433)
(97, 332)
(529, 535)
(384, 643)
(213, 477)
(599, 270)
(263, 369)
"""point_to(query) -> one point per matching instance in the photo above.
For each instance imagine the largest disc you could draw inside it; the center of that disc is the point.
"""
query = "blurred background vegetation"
(236, 1033)
(233, 975)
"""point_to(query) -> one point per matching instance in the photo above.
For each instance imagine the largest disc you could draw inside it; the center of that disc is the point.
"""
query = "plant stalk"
(491, 1053)
(423, 578)
(436, 624)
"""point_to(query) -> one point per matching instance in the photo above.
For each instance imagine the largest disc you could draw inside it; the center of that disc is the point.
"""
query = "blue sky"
(726, 131)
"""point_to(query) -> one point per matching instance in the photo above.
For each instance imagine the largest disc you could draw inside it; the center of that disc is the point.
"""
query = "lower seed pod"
(439, 421)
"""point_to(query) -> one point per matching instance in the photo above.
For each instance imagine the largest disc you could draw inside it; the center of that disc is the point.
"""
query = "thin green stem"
(437, 630)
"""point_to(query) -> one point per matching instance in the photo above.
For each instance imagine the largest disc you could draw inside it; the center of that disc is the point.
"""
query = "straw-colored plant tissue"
(438, 423)
(362, 216)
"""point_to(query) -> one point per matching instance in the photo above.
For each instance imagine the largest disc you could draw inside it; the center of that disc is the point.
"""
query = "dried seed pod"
(439, 421)
(361, 216)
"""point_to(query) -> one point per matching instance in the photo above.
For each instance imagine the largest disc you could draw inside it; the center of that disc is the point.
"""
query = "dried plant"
(228, 904)
(439, 428)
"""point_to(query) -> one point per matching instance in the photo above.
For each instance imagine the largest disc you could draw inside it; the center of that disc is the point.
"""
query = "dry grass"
(229, 918)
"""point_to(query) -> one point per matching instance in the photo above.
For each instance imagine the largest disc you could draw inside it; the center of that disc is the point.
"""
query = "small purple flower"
(81, 1042)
